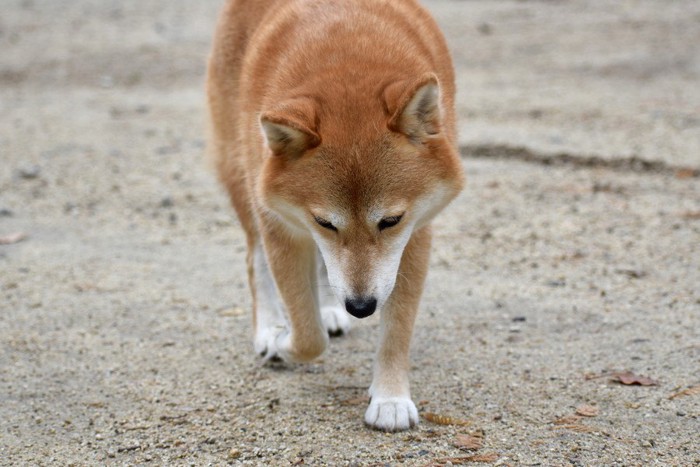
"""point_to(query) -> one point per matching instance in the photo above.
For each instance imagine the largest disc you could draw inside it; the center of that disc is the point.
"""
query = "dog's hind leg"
(269, 310)
(335, 318)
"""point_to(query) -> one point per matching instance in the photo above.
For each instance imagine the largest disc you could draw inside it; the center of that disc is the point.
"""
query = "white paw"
(335, 320)
(391, 413)
(267, 342)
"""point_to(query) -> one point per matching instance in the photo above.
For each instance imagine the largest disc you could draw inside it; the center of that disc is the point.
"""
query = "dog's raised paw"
(266, 343)
(336, 320)
(391, 413)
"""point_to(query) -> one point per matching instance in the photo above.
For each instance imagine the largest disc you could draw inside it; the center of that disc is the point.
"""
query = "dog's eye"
(325, 224)
(389, 222)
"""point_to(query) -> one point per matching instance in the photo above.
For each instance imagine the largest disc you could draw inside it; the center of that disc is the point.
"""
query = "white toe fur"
(391, 413)
(336, 320)
(267, 341)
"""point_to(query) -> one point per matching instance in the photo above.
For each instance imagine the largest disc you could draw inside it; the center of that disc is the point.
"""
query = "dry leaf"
(628, 378)
(468, 442)
(632, 273)
(577, 428)
(623, 377)
(587, 410)
(567, 420)
(685, 173)
(237, 311)
(486, 457)
(691, 391)
(573, 422)
(355, 401)
(439, 419)
(13, 238)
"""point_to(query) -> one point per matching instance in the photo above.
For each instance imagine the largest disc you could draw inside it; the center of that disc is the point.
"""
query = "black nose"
(361, 307)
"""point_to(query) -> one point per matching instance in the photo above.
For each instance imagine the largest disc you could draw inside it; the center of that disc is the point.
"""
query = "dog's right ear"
(289, 128)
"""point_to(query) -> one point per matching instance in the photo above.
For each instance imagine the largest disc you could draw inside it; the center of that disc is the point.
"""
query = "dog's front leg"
(391, 407)
(292, 261)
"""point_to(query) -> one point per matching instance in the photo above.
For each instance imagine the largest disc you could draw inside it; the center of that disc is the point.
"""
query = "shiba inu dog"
(333, 130)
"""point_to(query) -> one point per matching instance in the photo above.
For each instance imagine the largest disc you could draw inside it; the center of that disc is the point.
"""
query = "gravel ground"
(125, 335)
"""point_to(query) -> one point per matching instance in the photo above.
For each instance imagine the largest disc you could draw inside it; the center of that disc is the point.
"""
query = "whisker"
(404, 277)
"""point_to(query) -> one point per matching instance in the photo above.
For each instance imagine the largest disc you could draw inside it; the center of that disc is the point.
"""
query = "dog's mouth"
(361, 307)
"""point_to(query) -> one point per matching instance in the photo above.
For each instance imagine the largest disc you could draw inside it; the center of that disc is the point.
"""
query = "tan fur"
(328, 108)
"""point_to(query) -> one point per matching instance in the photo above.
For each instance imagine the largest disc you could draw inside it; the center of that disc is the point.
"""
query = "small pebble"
(484, 28)
(29, 172)
(236, 311)
(106, 81)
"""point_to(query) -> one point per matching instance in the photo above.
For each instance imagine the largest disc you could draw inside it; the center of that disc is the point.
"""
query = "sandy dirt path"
(124, 315)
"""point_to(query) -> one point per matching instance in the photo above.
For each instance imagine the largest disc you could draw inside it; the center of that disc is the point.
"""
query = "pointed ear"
(417, 107)
(288, 129)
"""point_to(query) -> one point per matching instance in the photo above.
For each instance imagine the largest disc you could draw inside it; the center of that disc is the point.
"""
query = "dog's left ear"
(416, 107)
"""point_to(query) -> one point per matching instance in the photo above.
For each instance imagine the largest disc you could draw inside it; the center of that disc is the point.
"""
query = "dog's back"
(342, 52)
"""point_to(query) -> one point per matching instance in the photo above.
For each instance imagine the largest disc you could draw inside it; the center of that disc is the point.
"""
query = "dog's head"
(361, 195)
